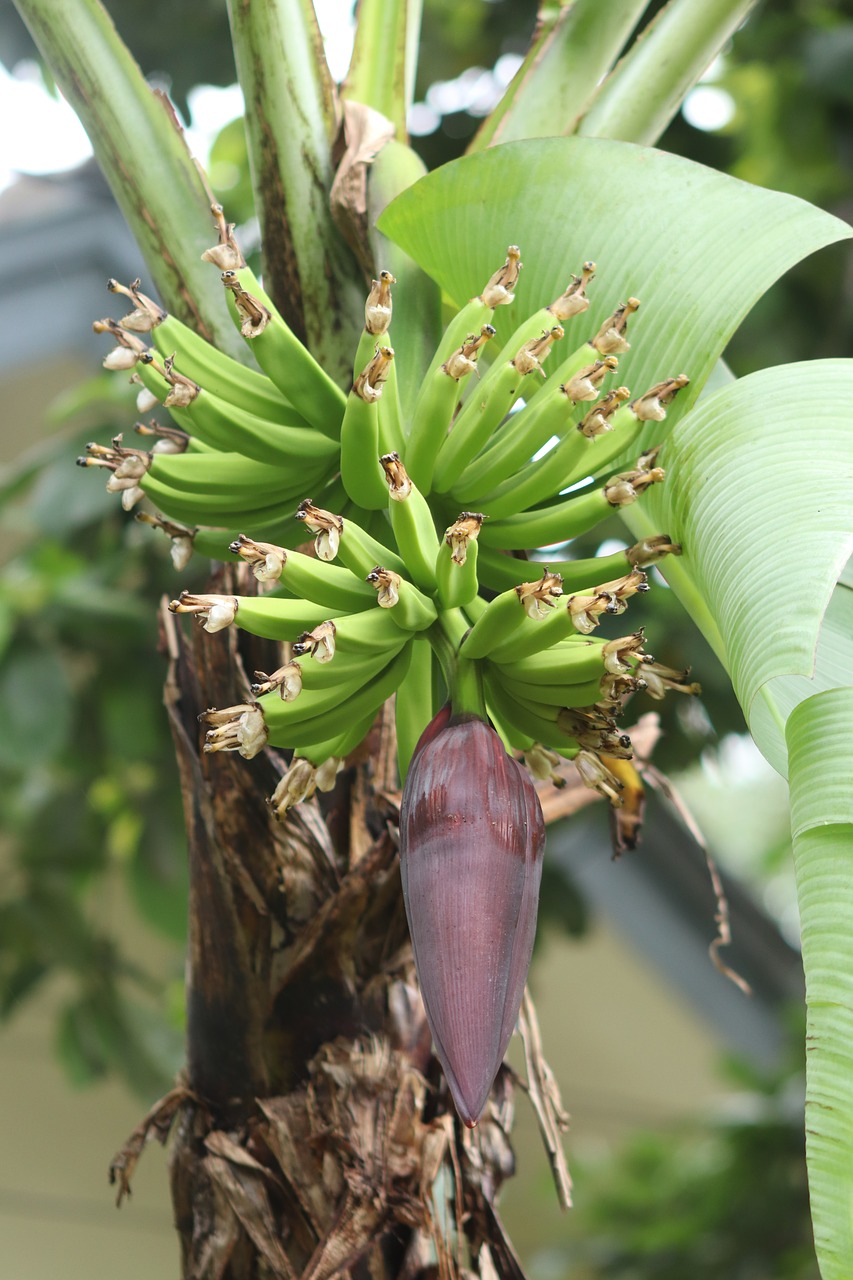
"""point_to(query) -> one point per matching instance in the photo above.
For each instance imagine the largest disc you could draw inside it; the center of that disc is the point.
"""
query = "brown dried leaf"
(156, 1124)
(545, 1096)
(365, 132)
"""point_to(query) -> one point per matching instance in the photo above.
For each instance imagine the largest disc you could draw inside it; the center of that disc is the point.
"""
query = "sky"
(48, 137)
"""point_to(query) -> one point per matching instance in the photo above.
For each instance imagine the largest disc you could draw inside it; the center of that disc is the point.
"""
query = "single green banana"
(528, 605)
(285, 731)
(361, 552)
(361, 471)
(554, 695)
(214, 473)
(330, 585)
(228, 427)
(575, 660)
(339, 746)
(456, 563)
(436, 406)
(573, 514)
(413, 705)
(292, 368)
(411, 521)
(511, 377)
(220, 374)
(409, 607)
(213, 509)
(522, 718)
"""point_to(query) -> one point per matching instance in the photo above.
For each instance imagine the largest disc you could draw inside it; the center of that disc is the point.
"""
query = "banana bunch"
(411, 587)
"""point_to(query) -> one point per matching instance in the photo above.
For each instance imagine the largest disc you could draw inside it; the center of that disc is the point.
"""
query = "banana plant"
(428, 456)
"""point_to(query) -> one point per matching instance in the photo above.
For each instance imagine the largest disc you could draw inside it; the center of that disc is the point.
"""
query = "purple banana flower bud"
(472, 838)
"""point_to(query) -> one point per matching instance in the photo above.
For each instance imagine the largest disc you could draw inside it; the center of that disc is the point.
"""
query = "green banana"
(436, 405)
(219, 473)
(329, 585)
(219, 373)
(575, 660)
(413, 704)
(528, 603)
(525, 719)
(411, 521)
(551, 414)
(564, 520)
(458, 467)
(555, 695)
(229, 427)
(361, 471)
(456, 562)
(410, 608)
(286, 730)
(281, 355)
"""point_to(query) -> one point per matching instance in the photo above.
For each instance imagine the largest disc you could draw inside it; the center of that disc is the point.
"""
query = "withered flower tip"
(586, 382)
(650, 550)
(378, 307)
(531, 356)
(254, 316)
(214, 612)
(652, 406)
(287, 679)
(369, 383)
(318, 644)
(610, 339)
(226, 253)
(597, 420)
(573, 301)
(181, 537)
(464, 361)
(500, 289)
(538, 598)
(267, 560)
(241, 728)
(325, 525)
(464, 530)
(399, 484)
(387, 584)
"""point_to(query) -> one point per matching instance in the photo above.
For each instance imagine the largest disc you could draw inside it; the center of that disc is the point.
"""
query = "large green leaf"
(758, 492)
(698, 248)
(820, 746)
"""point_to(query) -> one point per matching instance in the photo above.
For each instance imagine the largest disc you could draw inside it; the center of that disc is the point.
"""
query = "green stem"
(463, 676)
(640, 97)
(141, 149)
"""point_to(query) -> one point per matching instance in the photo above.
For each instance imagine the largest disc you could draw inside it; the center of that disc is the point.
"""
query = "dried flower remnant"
(214, 612)
(598, 420)
(267, 560)
(399, 484)
(241, 728)
(369, 383)
(318, 644)
(378, 307)
(181, 537)
(532, 355)
(146, 314)
(464, 530)
(500, 290)
(538, 598)
(652, 406)
(287, 680)
(325, 525)
(586, 382)
(387, 584)
(226, 253)
(610, 339)
(574, 300)
(464, 361)
(254, 316)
